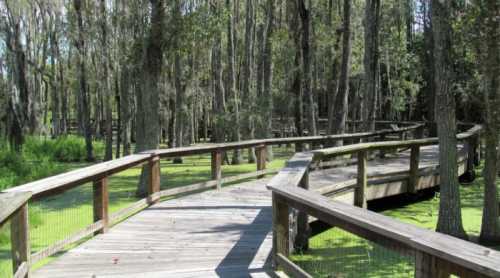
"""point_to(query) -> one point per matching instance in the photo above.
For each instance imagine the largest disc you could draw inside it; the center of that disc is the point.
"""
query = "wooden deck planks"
(215, 233)
(218, 233)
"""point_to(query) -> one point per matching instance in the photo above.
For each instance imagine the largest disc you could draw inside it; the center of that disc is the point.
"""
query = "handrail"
(10, 203)
(99, 173)
(68, 180)
(454, 252)
(432, 251)
(321, 154)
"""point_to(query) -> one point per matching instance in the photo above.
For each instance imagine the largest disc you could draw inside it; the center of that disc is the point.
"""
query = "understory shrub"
(63, 149)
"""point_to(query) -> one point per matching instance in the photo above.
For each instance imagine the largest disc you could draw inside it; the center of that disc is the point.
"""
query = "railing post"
(19, 233)
(423, 265)
(360, 191)
(414, 177)
(301, 242)
(419, 132)
(217, 167)
(101, 200)
(261, 158)
(471, 156)
(382, 151)
(281, 232)
(154, 179)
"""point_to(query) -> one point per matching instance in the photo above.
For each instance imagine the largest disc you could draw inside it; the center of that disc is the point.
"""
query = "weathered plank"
(291, 268)
(19, 234)
(65, 181)
(10, 203)
(101, 203)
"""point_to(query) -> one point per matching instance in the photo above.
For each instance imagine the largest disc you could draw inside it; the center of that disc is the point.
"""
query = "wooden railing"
(99, 174)
(434, 254)
(14, 208)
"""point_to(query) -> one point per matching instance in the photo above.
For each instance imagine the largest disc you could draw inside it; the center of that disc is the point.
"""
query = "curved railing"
(434, 254)
(98, 174)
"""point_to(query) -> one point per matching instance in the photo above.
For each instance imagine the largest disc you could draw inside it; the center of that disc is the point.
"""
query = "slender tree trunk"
(305, 15)
(247, 75)
(333, 59)
(371, 57)
(341, 108)
(55, 106)
(450, 216)
(219, 101)
(268, 76)
(108, 109)
(490, 228)
(147, 113)
(82, 79)
(296, 86)
(231, 79)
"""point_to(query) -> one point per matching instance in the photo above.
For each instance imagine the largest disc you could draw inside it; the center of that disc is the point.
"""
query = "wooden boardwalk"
(219, 233)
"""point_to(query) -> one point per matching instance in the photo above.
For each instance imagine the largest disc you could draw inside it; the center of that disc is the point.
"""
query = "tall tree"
(219, 97)
(371, 64)
(296, 86)
(248, 94)
(304, 10)
(147, 115)
(108, 109)
(83, 98)
(450, 216)
(19, 98)
(490, 14)
(231, 78)
(341, 100)
(267, 105)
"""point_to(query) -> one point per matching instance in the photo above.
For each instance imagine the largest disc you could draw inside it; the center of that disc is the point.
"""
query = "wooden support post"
(154, 179)
(477, 150)
(299, 147)
(382, 151)
(101, 200)
(217, 167)
(281, 232)
(471, 155)
(20, 244)
(301, 241)
(414, 177)
(423, 265)
(261, 158)
(419, 132)
(359, 192)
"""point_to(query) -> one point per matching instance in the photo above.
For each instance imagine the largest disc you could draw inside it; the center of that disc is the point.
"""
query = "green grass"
(55, 218)
(336, 253)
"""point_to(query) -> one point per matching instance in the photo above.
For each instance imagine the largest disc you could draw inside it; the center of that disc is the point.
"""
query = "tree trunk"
(450, 216)
(371, 57)
(341, 108)
(490, 228)
(296, 86)
(219, 102)
(249, 99)
(108, 109)
(231, 79)
(305, 16)
(147, 113)
(268, 76)
(82, 79)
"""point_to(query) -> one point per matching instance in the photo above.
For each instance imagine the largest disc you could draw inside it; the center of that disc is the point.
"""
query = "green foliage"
(40, 158)
(63, 149)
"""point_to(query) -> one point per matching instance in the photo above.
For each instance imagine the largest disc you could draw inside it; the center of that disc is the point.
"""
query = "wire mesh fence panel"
(56, 218)
(5, 251)
(336, 253)
(122, 188)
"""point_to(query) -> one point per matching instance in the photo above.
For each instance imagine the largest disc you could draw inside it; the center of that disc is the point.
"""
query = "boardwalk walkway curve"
(228, 231)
